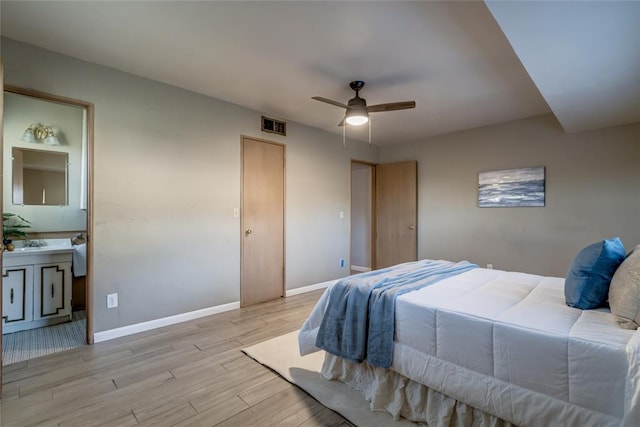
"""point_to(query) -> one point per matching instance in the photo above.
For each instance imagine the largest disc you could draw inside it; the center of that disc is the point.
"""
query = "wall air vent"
(274, 126)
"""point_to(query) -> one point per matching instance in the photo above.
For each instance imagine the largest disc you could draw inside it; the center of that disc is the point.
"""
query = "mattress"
(506, 343)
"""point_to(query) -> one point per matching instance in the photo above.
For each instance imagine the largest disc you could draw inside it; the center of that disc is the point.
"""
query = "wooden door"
(396, 213)
(262, 269)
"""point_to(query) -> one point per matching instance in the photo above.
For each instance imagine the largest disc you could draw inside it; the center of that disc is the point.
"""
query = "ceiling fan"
(357, 111)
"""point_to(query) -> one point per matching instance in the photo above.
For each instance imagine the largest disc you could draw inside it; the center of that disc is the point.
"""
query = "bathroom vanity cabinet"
(36, 289)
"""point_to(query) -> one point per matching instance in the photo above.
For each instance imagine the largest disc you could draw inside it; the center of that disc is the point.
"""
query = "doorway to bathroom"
(46, 205)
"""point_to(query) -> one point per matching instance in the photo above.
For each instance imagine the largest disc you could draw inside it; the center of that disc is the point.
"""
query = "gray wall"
(592, 193)
(167, 178)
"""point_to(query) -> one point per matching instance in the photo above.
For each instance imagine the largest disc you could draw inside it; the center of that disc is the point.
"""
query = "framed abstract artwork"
(511, 188)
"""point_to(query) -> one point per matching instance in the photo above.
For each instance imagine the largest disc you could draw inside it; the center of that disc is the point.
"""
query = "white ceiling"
(579, 60)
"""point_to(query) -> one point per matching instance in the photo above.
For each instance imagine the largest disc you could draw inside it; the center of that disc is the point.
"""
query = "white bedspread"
(508, 344)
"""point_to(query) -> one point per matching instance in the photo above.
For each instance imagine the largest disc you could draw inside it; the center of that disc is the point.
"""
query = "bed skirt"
(388, 391)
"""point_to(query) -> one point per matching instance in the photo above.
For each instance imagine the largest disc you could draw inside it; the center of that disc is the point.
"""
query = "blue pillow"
(588, 279)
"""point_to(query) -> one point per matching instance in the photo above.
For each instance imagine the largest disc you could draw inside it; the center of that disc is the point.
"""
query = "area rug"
(281, 355)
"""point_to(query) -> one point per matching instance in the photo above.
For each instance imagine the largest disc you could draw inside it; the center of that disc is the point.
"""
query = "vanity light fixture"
(40, 133)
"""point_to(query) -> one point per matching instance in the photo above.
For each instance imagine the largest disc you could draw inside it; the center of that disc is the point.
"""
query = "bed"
(491, 347)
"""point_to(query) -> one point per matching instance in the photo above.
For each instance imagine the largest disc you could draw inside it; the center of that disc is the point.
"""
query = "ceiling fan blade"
(391, 106)
(329, 101)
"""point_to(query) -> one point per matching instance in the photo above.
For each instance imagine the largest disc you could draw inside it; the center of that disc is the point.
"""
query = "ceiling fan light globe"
(356, 120)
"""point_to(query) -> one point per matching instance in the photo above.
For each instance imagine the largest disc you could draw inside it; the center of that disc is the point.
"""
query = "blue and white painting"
(511, 188)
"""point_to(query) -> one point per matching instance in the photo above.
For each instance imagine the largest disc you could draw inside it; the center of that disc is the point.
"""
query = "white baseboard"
(179, 318)
(165, 321)
(310, 288)
(359, 268)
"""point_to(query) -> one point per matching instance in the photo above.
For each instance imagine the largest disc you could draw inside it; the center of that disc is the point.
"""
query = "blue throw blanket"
(359, 322)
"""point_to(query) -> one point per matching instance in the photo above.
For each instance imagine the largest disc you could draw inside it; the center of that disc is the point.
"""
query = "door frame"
(89, 108)
(1, 196)
(284, 212)
(374, 207)
(374, 228)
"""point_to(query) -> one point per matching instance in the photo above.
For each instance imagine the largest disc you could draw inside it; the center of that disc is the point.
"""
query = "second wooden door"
(396, 213)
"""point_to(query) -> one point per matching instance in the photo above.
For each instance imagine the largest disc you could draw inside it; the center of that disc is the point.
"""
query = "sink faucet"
(78, 239)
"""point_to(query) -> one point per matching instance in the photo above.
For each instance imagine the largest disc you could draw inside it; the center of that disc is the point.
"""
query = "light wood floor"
(190, 374)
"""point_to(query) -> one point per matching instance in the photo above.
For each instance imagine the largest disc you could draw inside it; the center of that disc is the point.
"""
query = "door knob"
(248, 231)
(412, 227)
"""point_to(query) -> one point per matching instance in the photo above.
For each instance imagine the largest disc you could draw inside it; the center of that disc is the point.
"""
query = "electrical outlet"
(341, 262)
(112, 300)
(490, 266)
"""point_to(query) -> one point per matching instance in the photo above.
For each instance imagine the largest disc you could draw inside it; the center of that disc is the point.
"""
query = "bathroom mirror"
(39, 177)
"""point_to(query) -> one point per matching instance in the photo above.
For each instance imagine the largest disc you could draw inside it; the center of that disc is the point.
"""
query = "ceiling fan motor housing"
(356, 85)
(357, 103)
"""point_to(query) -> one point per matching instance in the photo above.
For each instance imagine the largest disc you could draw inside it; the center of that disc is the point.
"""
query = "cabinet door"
(52, 290)
(17, 294)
